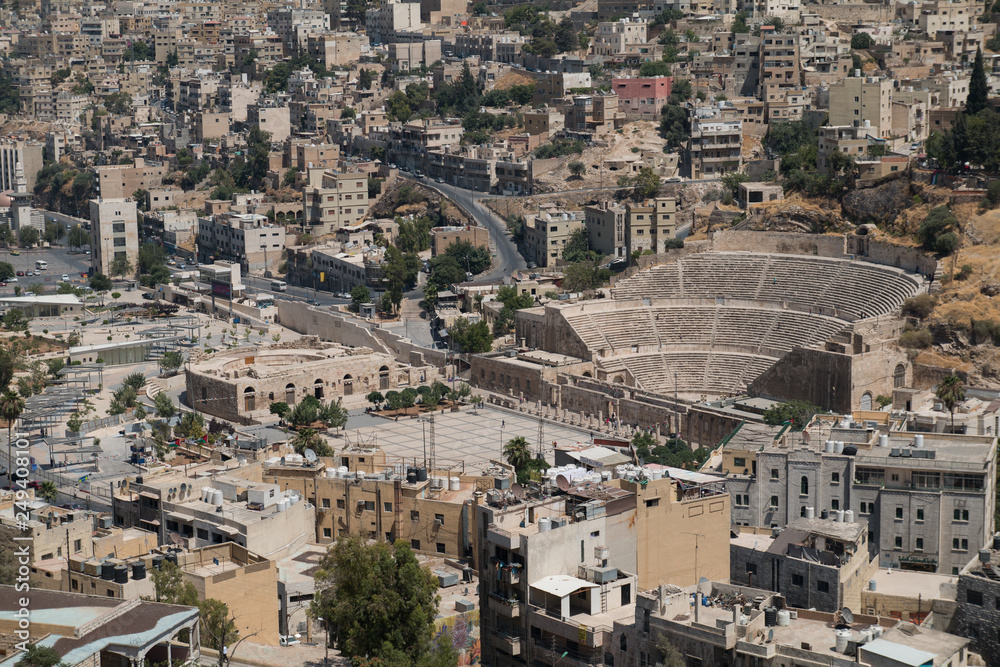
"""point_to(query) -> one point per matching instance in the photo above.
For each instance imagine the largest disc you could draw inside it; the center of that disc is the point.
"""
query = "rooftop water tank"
(848, 516)
(784, 618)
(843, 638)
(138, 570)
(883, 440)
(544, 525)
(771, 617)
(121, 574)
(810, 512)
(217, 497)
(342, 471)
(455, 484)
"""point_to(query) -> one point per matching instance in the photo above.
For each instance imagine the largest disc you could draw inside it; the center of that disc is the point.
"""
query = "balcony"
(510, 644)
(502, 538)
(505, 607)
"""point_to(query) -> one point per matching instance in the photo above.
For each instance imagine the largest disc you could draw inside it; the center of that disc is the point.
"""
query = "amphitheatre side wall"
(547, 329)
(890, 254)
(517, 379)
(873, 373)
(820, 377)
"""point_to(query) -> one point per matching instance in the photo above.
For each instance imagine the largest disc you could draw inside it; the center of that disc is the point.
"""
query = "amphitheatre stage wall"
(543, 328)
(520, 379)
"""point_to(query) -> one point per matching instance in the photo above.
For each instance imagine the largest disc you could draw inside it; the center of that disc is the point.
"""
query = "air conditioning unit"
(439, 522)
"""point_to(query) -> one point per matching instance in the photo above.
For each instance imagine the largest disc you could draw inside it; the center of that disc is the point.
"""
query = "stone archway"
(866, 401)
(899, 376)
(348, 385)
(318, 388)
(290, 393)
(383, 378)
(249, 399)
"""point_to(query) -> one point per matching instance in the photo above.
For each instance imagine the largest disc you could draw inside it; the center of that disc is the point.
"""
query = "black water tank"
(825, 514)
(421, 474)
(172, 557)
(138, 570)
(850, 450)
(411, 476)
(121, 574)
(771, 617)
(157, 562)
(107, 571)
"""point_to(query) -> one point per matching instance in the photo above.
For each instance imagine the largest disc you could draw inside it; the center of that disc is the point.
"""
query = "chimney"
(697, 607)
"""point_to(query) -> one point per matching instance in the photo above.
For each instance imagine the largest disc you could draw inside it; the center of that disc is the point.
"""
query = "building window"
(920, 544)
(202, 534)
(369, 505)
(741, 500)
(774, 502)
(440, 547)
(341, 504)
(835, 504)
(804, 486)
(899, 512)
(822, 586)
(897, 542)
(974, 597)
(961, 515)
(920, 514)
(387, 507)
(835, 478)
(653, 502)
(739, 462)
(774, 474)
(751, 568)
(326, 503)
(797, 580)
(327, 533)
(77, 546)
(959, 544)
(415, 544)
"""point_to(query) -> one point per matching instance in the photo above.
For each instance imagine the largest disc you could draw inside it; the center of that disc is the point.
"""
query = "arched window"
(866, 401)
(290, 393)
(804, 486)
(383, 377)
(348, 385)
(619, 379)
(899, 376)
(249, 399)
(318, 388)
(623, 642)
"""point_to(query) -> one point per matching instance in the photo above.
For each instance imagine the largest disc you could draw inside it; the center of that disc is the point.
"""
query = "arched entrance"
(899, 376)
(318, 388)
(249, 399)
(588, 374)
(290, 393)
(866, 401)
(383, 378)
(348, 385)
(619, 379)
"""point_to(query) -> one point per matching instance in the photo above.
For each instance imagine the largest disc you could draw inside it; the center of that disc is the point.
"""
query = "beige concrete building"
(338, 48)
(546, 235)
(442, 237)
(333, 199)
(606, 228)
(271, 118)
(863, 102)
(117, 181)
(406, 56)
(114, 233)
(246, 238)
(543, 121)
(613, 37)
(650, 225)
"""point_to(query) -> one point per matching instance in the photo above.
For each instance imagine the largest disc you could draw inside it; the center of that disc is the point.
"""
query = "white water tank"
(544, 525)
(838, 447)
(204, 494)
(331, 472)
(654, 473)
(343, 471)
(848, 516)
(829, 447)
(918, 441)
(784, 618)
(359, 474)
(883, 440)
(810, 513)
(839, 516)
(843, 638)
(217, 497)
(455, 484)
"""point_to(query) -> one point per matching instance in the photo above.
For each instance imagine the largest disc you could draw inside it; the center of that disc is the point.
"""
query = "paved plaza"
(463, 436)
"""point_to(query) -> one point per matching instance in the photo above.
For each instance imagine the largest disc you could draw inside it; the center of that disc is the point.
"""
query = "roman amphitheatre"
(811, 317)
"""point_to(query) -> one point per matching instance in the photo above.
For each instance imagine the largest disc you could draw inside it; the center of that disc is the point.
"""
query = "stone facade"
(239, 385)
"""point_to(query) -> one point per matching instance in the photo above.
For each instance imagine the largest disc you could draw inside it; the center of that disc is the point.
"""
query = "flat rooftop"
(904, 583)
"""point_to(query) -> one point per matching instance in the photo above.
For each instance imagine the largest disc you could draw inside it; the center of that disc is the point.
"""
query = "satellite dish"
(176, 539)
(734, 529)
(242, 460)
(847, 615)
(310, 455)
(184, 487)
(518, 491)
(770, 636)
(703, 580)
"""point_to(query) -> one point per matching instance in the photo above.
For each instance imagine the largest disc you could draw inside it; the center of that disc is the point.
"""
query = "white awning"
(562, 585)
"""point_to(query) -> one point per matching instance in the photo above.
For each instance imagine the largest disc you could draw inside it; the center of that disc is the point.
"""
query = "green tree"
(191, 425)
(48, 491)
(359, 295)
(100, 282)
(28, 236)
(121, 266)
(375, 398)
(39, 656)
(577, 169)
(308, 438)
(377, 601)
(979, 88)
(164, 406)
(78, 237)
(517, 452)
(645, 184)
(474, 338)
(171, 361)
(11, 407)
(796, 413)
(654, 68)
(951, 391)
(170, 587)
(134, 380)
(279, 408)
(6, 270)
(937, 232)
(334, 415)
(472, 258)
(861, 41)
(366, 78)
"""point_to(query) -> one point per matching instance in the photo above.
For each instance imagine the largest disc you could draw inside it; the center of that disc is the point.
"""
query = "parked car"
(65, 277)
(147, 295)
(20, 273)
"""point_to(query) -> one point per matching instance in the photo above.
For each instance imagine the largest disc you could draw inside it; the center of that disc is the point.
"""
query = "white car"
(65, 277)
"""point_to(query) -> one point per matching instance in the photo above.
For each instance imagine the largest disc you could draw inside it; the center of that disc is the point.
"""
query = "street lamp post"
(326, 626)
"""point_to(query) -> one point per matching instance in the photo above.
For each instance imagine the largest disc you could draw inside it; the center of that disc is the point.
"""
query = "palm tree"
(48, 491)
(951, 391)
(517, 452)
(11, 407)
(305, 439)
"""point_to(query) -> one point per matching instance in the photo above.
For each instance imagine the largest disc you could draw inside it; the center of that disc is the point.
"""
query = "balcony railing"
(505, 607)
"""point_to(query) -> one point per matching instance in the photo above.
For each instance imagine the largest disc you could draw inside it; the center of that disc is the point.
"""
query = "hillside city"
(440, 333)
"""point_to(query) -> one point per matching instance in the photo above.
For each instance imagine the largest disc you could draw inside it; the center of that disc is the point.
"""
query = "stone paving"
(464, 435)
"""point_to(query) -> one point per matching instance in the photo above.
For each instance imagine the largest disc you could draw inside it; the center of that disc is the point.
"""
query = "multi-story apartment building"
(715, 146)
(779, 66)
(503, 47)
(545, 237)
(18, 151)
(114, 233)
(716, 623)
(551, 86)
(514, 176)
(197, 93)
(862, 102)
(246, 238)
(386, 22)
(295, 26)
(545, 120)
(928, 498)
(849, 140)
(593, 115)
(612, 37)
(339, 48)
(410, 142)
(117, 181)
(333, 199)
(934, 16)
(406, 56)
(978, 603)
(642, 98)
(267, 49)
(650, 225)
(606, 228)
(557, 573)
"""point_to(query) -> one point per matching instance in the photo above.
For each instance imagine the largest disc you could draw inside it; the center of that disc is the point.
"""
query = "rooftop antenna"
(430, 441)
(541, 434)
